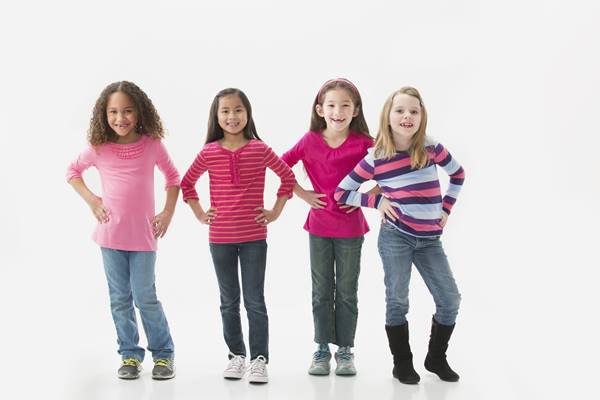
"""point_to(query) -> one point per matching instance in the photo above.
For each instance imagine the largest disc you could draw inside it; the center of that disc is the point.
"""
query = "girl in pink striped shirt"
(236, 160)
(125, 146)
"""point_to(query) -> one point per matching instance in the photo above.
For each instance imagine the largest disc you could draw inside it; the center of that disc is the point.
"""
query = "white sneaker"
(236, 367)
(258, 370)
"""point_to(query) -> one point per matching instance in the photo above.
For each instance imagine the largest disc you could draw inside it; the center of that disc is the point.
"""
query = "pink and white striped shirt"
(237, 184)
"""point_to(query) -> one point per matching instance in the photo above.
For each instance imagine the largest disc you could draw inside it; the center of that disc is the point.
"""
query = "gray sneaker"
(320, 364)
(130, 368)
(164, 368)
(345, 361)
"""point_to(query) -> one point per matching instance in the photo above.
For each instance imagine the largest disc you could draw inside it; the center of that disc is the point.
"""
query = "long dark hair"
(358, 123)
(215, 132)
(148, 120)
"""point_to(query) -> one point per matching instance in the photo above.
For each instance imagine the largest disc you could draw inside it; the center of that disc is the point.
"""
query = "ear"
(356, 111)
(319, 110)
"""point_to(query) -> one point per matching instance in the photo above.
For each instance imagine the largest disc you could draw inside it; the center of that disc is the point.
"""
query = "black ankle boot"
(403, 365)
(436, 356)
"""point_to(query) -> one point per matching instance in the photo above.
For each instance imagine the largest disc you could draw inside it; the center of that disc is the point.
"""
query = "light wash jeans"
(398, 251)
(130, 276)
(335, 267)
(253, 261)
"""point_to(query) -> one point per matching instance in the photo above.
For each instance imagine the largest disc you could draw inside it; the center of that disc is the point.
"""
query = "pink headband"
(344, 80)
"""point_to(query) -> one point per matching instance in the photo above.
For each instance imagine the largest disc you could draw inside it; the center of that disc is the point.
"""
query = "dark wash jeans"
(253, 260)
(335, 267)
(399, 251)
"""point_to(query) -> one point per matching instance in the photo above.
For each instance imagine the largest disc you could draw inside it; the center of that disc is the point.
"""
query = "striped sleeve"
(288, 180)
(347, 190)
(166, 166)
(86, 159)
(455, 171)
(192, 175)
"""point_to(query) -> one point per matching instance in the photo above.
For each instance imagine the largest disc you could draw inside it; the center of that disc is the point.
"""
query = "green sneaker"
(345, 361)
(130, 368)
(164, 368)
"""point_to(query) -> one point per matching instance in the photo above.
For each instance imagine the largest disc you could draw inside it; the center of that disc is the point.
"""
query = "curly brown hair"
(148, 120)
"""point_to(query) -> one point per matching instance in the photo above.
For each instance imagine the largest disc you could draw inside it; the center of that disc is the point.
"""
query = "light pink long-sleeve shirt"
(127, 176)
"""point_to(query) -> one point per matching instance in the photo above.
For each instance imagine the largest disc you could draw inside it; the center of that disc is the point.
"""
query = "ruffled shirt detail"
(128, 151)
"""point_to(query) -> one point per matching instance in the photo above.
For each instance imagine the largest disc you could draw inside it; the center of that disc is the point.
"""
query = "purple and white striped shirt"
(415, 194)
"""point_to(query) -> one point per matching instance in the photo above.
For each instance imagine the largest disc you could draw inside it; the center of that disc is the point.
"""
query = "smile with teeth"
(338, 120)
(406, 125)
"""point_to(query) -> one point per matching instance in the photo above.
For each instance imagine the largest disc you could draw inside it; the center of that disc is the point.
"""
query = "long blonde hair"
(384, 142)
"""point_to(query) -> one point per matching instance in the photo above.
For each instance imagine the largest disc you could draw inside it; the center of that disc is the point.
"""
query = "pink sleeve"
(288, 180)
(190, 178)
(295, 154)
(86, 159)
(166, 166)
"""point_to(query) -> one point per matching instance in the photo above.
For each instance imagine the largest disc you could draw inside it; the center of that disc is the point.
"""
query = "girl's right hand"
(98, 209)
(208, 216)
(386, 209)
(314, 199)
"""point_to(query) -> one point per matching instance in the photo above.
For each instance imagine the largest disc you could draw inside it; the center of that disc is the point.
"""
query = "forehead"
(119, 100)
(231, 101)
(405, 100)
(337, 95)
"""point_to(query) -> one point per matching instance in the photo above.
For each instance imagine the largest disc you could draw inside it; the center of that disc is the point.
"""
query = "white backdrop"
(511, 90)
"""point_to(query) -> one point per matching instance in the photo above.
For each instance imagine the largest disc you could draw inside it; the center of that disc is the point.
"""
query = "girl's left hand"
(349, 207)
(443, 219)
(266, 216)
(161, 222)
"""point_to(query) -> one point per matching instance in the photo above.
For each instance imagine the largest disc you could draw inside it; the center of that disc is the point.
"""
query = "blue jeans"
(253, 261)
(398, 251)
(335, 267)
(130, 276)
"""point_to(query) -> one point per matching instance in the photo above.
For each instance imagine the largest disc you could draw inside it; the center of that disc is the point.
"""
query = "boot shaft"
(439, 337)
(398, 340)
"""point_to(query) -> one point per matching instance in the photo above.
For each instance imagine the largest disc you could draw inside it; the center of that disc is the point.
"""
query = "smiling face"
(122, 116)
(337, 109)
(405, 118)
(232, 115)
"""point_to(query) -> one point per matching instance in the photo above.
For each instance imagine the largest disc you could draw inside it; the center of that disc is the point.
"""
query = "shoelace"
(344, 354)
(236, 363)
(163, 362)
(258, 366)
(132, 362)
(321, 355)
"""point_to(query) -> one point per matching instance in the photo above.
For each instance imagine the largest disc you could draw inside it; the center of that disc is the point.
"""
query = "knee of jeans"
(397, 303)
(452, 303)
(346, 295)
(255, 306)
(121, 303)
(143, 303)
(232, 304)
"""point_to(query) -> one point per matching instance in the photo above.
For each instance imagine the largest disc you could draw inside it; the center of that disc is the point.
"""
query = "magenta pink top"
(237, 184)
(326, 167)
(127, 176)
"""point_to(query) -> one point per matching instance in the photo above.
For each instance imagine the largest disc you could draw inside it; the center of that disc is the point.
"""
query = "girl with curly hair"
(125, 145)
